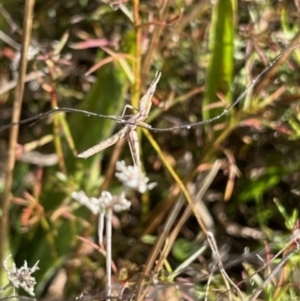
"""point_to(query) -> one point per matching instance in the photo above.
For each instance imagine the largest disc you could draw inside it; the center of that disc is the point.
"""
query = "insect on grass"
(128, 130)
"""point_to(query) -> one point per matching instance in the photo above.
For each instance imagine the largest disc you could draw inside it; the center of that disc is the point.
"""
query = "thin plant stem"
(187, 262)
(272, 71)
(138, 54)
(100, 228)
(108, 250)
(154, 42)
(207, 286)
(4, 223)
(212, 243)
(294, 247)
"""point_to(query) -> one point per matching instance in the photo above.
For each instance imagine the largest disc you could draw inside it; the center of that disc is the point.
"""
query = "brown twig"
(213, 245)
(4, 223)
(153, 46)
(198, 11)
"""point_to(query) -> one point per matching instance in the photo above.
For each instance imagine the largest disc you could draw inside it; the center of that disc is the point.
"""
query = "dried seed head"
(21, 277)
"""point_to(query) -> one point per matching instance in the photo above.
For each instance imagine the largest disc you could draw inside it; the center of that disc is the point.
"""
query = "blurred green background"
(208, 54)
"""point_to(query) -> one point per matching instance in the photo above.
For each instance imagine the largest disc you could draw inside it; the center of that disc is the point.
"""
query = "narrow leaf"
(220, 69)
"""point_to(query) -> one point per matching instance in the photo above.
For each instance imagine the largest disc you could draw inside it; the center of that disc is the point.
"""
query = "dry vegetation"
(225, 189)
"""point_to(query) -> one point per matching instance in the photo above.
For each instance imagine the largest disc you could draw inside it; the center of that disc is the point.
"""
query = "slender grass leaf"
(221, 47)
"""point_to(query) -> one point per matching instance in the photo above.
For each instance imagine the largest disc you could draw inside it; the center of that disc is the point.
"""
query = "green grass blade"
(221, 47)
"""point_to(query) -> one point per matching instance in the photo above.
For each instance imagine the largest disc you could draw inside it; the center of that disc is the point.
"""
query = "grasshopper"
(128, 130)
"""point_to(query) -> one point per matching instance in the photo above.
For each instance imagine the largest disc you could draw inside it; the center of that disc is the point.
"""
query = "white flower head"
(105, 201)
(90, 203)
(117, 202)
(133, 178)
(21, 277)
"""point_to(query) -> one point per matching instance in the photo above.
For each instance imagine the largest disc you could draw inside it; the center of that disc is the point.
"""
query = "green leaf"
(221, 47)
(106, 97)
(254, 189)
(183, 248)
